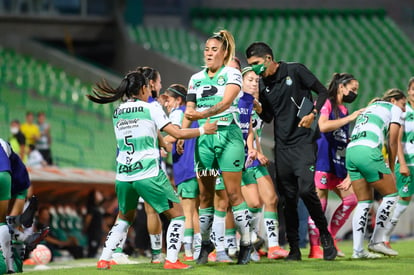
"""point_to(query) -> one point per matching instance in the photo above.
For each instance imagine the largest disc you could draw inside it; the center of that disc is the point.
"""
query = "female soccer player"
(330, 168)
(404, 168)
(136, 123)
(211, 94)
(368, 170)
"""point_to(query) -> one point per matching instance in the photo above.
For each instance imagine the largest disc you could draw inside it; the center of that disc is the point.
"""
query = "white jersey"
(210, 91)
(136, 125)
(372, 125)
(408, 135)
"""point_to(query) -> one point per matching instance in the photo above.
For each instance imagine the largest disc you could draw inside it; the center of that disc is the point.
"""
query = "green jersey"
(408, 135)
(207, 92)
(372, 125)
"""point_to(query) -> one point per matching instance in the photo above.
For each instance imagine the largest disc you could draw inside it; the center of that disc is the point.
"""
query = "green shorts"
(188, 189)
(250, 175)
(405, 185)
(5, 186)
(223, 150)
(21, 195)
(156, 191)
(365, 163)
(220, 183)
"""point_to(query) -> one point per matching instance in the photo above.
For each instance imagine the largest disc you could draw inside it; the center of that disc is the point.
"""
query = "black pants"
(294, 178)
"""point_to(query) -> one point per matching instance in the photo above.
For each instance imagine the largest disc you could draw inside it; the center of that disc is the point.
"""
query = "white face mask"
(14, 130)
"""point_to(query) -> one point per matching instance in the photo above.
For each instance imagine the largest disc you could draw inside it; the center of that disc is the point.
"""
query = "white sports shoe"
(382, 248)
(365, 255)
(122, 258)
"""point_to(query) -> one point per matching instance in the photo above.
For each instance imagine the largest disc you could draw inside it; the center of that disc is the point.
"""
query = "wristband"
(201, 129)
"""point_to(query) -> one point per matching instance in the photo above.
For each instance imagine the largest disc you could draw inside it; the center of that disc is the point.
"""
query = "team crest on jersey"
(221, 81)
(289, 81)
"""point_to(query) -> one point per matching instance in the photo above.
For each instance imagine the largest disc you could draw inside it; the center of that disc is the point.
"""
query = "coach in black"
(285, 95)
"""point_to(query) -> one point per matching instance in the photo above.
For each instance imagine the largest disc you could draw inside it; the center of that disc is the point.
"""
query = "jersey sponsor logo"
(127, 110)
(124, 168)
(209, 91)
(123, 124)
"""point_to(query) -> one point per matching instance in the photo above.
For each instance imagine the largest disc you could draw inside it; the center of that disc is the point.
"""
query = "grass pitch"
(403, 264)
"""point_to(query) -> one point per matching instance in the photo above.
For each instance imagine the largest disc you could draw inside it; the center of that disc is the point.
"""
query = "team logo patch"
(289, 81)
(324, 180)
(221, 81)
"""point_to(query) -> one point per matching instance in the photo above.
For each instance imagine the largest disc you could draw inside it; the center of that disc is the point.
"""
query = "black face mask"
(350, 97)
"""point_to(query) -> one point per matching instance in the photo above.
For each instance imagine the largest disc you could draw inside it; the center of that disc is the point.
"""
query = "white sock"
(359, 224)
(156, 242)
(399, 209)
(254, 228)
(188, 242)
(174, 238)
(218, 230)
(242, 221)
(197, 245)
(206, 216)
(383, 214)
(114, 239)
(5, 246)
(272, 228)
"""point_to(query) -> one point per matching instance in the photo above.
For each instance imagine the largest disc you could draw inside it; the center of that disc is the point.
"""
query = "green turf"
(402, 264)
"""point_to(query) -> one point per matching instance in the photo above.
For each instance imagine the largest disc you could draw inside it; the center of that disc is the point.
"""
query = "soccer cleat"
(27, 217)
(276, 252)
(222, 257)
(365, 255)
(244, 254)
(206, 248)
(212, 256)
(329, 250)
(33, 240)
(157, 258)
(382, 249)
(258, 243)
(315, 252)
(121, 258)
(294, 255)
(188, 258)
(176, 265)
(254, 255)
(102, 264)
(339, 252)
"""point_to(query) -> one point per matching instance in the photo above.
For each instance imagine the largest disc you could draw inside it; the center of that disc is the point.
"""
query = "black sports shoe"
(206, 248)
(329, 250)
(294, 255)
(258, 243)
(26, 218)
(32, 241)
(244, 254)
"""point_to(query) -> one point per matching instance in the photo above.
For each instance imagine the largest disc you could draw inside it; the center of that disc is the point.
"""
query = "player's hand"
(192, 115)
(179, 146)
(345, 184)
(262, 159)
(210, 128)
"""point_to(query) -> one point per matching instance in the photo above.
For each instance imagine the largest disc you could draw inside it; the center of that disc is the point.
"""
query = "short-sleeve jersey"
(209, 91)
(332, 145)
(408, 135)
(372, 125)
(136, 125)
(30, 131)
